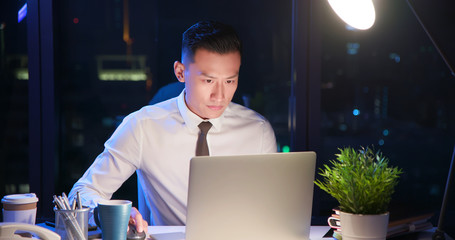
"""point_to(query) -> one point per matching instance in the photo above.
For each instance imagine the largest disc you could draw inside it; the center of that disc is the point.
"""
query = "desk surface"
(178, 232)
(316, 233)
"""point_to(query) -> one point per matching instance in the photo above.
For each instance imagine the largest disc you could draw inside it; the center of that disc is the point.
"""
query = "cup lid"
(20, 198)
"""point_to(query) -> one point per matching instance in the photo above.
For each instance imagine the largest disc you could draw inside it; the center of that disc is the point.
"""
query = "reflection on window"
(22, 13)
(18, 64)
(122, 67)
(394, 93)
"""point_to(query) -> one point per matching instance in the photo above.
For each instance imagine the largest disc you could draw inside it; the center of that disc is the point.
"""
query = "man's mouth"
(215, 108)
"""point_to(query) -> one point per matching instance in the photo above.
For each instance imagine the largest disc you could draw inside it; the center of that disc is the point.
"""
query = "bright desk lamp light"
(358, 14)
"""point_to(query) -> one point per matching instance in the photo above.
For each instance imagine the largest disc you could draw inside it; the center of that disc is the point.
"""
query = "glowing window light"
(122, 67)
(343, 127)
(22, 13)
(395, 57)
(385, 132)
(21, 73)
(122, 76)
(356, 112)
(352, 48)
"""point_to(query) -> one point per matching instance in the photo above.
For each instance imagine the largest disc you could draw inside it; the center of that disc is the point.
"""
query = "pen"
(50, 224)
(65, 205)
(67, 202)
(73, 207)
(79, 201)
(58, 203)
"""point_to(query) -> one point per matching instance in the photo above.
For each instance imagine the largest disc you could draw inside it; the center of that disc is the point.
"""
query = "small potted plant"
(363, 183)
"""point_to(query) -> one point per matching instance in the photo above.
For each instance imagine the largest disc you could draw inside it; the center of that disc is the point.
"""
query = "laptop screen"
(267, 196)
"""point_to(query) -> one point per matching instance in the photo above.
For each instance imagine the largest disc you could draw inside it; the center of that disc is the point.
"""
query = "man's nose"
(218, 92)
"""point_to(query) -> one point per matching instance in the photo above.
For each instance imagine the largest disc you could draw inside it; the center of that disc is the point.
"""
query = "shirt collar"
(192, 120)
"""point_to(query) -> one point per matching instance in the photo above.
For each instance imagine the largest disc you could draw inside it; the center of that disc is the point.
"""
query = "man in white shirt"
(158, 141)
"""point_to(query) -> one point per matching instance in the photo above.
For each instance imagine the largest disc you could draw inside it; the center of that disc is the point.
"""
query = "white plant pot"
(368, 227)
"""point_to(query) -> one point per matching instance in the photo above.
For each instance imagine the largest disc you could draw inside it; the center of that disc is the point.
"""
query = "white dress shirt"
(157, 142)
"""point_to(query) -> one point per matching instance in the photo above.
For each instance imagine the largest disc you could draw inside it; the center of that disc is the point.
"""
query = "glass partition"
(111, 58)
(14, 177)
(388, 87)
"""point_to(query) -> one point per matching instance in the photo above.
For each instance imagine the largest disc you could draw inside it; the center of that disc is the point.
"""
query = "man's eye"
(230, 81)
(208, 80)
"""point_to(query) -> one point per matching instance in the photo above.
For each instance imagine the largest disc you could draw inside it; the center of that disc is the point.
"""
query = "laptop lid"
(266, 196)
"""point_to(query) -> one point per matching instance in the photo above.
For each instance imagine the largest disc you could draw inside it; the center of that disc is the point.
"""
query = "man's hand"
(137, 220)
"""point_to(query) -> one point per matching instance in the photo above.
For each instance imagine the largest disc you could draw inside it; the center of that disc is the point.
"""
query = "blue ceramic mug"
(112, 216)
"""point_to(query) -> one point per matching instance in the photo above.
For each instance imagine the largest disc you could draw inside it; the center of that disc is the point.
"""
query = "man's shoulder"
(240, 111)
(157, 111)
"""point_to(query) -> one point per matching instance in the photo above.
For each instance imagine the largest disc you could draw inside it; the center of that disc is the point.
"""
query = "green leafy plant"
(361, 181)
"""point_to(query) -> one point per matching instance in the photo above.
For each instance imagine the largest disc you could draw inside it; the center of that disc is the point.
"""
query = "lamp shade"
(359, 14)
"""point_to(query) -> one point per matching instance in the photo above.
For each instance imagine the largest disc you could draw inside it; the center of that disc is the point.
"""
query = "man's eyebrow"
(206, 75)
(231, 77)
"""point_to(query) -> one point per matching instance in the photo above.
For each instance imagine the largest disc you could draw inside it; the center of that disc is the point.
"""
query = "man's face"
(210, 82)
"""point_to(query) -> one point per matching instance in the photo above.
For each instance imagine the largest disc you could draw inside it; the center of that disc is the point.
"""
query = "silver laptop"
(251, 197)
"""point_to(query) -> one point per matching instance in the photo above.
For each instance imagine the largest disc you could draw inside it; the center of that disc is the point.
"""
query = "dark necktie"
(202, 149)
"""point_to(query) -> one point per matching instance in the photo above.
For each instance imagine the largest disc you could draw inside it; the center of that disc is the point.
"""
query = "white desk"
(178, 232)
(316, 233)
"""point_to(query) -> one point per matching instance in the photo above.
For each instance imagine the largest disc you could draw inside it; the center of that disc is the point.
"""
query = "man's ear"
(179, 70)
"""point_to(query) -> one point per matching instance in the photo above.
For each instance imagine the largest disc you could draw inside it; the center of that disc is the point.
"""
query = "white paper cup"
(20, 208)
(361, 227)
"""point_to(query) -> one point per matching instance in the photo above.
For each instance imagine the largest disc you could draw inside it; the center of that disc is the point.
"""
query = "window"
(14, 130)
(389, 87)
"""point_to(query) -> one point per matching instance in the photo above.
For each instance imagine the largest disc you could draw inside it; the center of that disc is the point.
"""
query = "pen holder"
(72, 224)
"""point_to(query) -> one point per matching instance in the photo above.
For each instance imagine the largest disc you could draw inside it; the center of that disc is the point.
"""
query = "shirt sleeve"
(118, 161)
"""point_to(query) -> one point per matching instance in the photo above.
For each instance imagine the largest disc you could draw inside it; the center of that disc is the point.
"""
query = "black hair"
(212, 36)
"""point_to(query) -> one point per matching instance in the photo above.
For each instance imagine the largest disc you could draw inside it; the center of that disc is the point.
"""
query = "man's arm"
(118, 161)
(102, 179)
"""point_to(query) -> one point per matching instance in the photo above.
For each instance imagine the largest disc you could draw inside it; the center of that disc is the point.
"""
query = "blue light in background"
(395, 57)
(343, 127)
(381, 142)
(385, 132)
(352, 48)
(22, 13)
(356, 112)
(349, 28)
